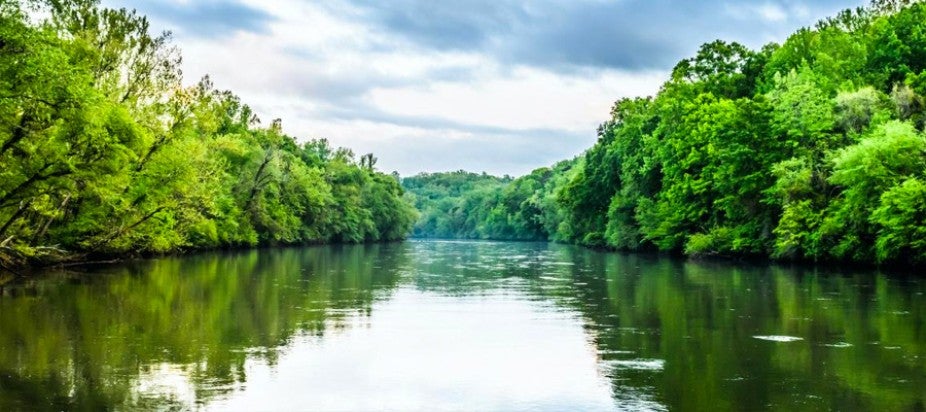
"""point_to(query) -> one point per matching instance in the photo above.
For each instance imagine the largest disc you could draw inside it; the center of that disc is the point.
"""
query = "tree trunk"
(19, 132)
(41, 233)
(35, 178)
(16, 215)
(123, 231)
(257, 179)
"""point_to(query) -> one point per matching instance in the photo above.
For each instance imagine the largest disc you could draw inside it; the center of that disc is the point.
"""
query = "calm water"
(461, 326)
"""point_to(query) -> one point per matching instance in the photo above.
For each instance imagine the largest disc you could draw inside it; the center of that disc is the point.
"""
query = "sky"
(501, 86)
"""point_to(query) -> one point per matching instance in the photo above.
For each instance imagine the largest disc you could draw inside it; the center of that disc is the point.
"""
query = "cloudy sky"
(502, 86)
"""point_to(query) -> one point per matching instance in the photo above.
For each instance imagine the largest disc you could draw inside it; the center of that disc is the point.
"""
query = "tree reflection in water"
(664, 333)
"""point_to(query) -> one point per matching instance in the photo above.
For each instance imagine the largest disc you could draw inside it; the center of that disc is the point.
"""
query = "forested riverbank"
(808, 150)
(104, 151)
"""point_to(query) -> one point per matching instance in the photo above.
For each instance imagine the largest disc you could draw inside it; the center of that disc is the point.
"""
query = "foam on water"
(779, 338)
(640, 364)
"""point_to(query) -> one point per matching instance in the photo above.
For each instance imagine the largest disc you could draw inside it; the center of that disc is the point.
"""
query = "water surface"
(461, 326)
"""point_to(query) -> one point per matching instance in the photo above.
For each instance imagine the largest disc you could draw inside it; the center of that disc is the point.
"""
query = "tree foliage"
(102, 149)
(812, 149)
(462, 205)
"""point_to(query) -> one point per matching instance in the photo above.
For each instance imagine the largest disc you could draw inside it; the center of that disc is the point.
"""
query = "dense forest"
(103, 150)
(462, 205)
(809, 150)
(813, 149)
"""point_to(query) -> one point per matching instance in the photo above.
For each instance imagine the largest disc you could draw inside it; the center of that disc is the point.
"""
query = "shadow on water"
(664, 333)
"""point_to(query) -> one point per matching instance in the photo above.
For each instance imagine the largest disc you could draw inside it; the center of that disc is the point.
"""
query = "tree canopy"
(103, 149)
(812, 149)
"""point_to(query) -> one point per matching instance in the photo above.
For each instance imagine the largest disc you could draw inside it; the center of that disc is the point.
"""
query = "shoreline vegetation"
(812, 150)
(808, 151)
(105, 153)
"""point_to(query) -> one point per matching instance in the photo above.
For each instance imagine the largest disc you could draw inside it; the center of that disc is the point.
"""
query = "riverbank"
(64, 259)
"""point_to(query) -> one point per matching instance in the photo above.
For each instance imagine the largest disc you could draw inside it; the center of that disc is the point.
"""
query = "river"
(461, 326)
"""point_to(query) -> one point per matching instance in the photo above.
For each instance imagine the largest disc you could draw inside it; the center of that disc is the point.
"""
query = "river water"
(461, 326)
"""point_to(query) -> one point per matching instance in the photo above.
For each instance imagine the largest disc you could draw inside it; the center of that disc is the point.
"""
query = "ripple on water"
(779, 338)
(639, 364)
(615, 354)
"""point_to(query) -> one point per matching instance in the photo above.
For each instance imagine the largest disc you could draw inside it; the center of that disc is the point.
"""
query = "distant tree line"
(463, 205)
(103, 150)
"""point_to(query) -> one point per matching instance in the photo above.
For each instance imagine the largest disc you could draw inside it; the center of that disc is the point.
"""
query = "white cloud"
(523, 99)
(329, 70)
(768, 13)
(771, 12)
(801, 11)
(474, 113)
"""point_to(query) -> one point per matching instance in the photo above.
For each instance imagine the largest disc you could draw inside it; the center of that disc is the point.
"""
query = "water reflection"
(464, 326)
(71, 341)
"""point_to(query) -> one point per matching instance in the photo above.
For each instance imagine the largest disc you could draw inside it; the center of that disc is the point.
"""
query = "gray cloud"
(204, 18)
(465, 25)
(565, 35)
(368, 113)
(557, 35)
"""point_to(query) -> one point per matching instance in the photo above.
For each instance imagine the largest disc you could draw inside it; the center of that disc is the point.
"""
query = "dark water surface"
(461, 326)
